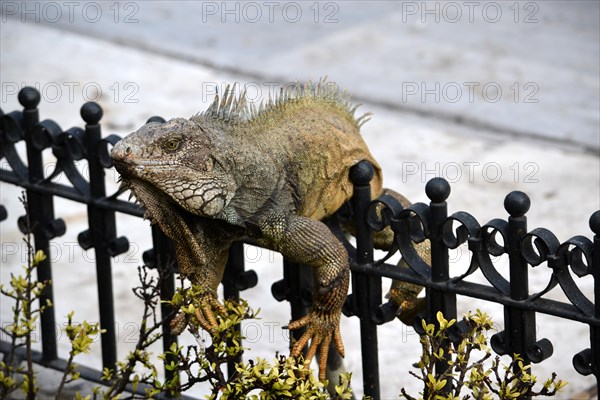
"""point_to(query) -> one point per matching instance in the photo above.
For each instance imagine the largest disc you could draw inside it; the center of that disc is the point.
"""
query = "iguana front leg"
(205, 278)
(310, 242)
(202, 250)
(201, 247)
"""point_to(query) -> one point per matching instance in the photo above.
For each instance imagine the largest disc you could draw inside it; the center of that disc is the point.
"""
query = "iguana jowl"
(270, 174)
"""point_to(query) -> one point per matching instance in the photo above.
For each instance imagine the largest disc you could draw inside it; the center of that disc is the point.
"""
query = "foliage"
(81, 336)
(496, 381)
(25, 291)
(137, 376)
(285, 378)
(150, 332)
(462, 361)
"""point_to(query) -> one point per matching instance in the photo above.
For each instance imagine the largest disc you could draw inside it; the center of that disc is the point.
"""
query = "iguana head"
(178, 159)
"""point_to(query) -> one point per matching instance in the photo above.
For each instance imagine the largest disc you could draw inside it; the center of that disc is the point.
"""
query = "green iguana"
(270, 174)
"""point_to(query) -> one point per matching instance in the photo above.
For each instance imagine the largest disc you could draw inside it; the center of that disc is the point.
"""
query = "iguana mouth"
(145, 194)
(135, 190)
(159, 207)
(123, 167)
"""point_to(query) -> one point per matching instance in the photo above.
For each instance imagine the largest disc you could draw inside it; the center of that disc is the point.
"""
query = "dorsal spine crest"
(234, 108)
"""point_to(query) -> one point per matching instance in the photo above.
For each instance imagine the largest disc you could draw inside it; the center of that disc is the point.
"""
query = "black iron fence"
(577, 256)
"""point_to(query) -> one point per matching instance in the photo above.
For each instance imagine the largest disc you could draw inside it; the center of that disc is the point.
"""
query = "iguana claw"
(204, 314)
(178, 324)
(321, 330)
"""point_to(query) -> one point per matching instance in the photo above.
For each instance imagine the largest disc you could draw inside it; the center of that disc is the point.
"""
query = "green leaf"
(38, 257)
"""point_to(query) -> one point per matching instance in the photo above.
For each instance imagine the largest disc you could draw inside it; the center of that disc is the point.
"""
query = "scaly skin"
(271, 175)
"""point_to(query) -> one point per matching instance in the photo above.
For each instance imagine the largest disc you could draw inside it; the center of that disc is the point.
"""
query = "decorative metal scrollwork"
(538, 246)
(465, 232)
(12, 133)
(488, 246)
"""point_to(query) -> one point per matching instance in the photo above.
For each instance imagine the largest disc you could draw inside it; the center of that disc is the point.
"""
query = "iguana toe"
(204, 313)
(178, 324)
(321, 330)
(206, 307)
(205, 318)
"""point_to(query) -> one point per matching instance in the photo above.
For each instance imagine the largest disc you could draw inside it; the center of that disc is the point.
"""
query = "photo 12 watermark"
(76, 92)
(453, 12)
(66, 252)
(17, 252)
(128, 332)
(253, 12)
(471, 171)
(454, 92)
(52, 12)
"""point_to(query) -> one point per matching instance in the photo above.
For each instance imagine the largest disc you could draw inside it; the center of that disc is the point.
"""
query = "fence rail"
(577, 256)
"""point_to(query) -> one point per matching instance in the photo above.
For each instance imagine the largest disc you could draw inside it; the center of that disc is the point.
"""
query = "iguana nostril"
(128, 151)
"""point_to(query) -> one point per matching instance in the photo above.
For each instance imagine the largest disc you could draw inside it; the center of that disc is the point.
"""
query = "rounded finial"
(156, 118)
(517, 203)
(437, 189)
(362, 173)
(91, 113)
(29, 97)
(595, 222)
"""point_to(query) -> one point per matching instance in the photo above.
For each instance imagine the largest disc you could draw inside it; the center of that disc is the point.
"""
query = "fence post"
(40, 210)
(595, 267)
(519, 324)
(162, 257)
(295, 287)
(366, 290)
(438, 190)
(234, 267)
(101, 234)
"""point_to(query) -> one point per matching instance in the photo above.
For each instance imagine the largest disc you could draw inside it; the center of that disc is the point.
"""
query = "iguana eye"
(171, 144)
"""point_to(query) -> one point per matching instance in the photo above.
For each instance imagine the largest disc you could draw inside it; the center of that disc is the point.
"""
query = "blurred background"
(493, 96)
